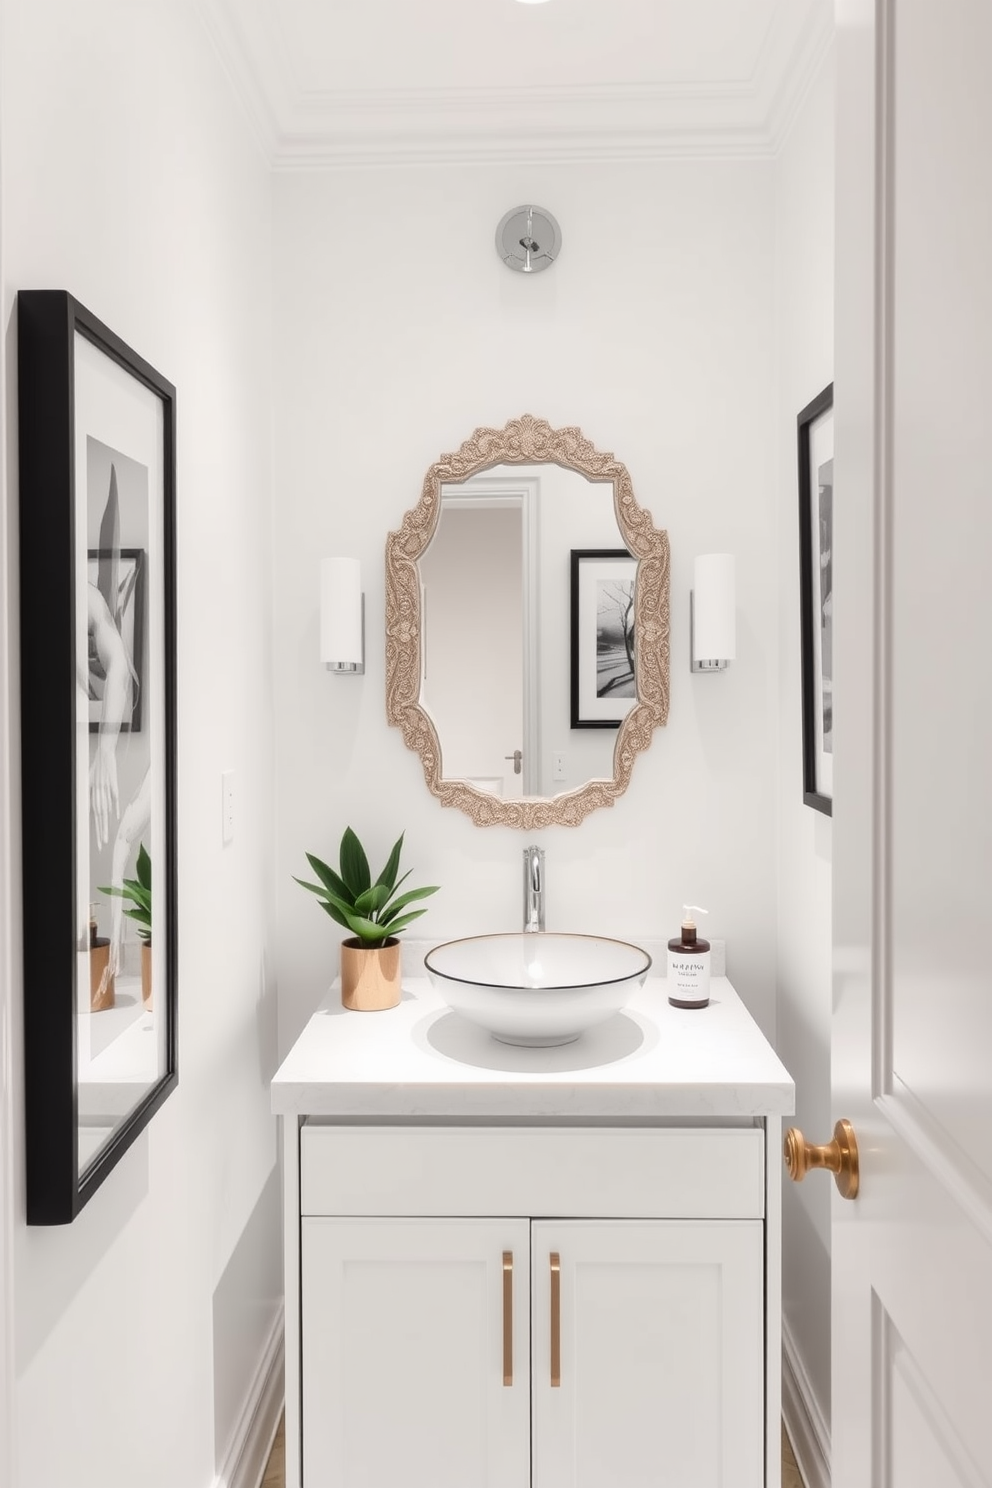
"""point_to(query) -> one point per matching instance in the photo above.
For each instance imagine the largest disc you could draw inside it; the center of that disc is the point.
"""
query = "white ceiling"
(384, 81)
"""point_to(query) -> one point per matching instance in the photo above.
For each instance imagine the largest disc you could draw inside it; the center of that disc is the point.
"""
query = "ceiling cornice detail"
(238, 45)
(798, 75)
(300, 130)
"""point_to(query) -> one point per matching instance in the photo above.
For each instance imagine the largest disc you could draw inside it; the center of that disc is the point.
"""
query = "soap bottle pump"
(689, 964)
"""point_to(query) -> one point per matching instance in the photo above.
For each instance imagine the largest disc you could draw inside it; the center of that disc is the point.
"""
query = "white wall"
(129, 179)
(398, 331)
(804, 250)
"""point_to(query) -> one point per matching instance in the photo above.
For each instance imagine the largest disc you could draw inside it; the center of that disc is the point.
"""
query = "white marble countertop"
(421, 1060)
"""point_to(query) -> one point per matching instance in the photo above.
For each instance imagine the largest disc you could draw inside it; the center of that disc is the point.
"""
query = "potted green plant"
(138, 891)
(374, 913)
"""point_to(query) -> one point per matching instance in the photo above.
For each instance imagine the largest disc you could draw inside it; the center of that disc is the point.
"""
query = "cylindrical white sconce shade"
(342, 638)
(714, 612)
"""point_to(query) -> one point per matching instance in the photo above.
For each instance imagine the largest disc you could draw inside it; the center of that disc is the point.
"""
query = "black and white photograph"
(603, 668)
(615, 638)
(117, 532)
(116, 595)
(97, 500)
(816, 497)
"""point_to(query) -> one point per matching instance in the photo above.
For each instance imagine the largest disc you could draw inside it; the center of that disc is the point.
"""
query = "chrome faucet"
(533, 888)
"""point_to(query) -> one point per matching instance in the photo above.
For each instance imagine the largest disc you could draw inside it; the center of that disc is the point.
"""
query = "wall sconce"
(713, 613)
(342, 616)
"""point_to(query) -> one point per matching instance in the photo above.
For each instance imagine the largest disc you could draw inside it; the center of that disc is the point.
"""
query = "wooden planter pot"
(146, 974)
(100, 998)
(370, 979)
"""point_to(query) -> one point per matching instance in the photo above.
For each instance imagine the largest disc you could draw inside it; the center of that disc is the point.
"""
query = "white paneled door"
(647, 1354)
(912, 1028)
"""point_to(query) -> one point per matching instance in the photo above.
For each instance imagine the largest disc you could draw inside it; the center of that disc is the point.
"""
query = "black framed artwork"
(97, 432)
(816, 498)
(603, 688)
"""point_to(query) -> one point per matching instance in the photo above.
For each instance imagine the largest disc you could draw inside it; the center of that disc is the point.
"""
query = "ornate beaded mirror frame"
(527, 441)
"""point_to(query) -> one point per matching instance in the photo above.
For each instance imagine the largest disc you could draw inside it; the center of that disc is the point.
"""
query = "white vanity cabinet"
(548, 1280)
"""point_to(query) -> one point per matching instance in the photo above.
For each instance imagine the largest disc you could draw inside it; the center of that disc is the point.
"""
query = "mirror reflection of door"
(479, 612)
(495, 584)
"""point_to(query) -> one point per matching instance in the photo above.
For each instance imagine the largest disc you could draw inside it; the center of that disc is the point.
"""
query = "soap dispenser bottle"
(689, 964)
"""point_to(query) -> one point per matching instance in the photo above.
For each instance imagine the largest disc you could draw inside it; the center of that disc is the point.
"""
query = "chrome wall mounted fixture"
(713, 613)
(528, 239)
(342, 616)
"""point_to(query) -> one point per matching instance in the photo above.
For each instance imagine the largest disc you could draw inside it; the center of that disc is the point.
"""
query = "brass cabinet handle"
(555, 1320)
(839, 1157)
(508, 1317)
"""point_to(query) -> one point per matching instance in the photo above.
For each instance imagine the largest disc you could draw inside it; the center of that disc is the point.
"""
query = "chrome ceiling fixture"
(528, 239)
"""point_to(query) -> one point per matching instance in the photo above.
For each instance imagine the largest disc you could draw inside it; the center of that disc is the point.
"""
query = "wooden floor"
(790, 1472)
(275, 1473)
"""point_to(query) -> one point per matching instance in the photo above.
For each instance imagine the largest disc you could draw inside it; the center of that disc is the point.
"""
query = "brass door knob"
(839, 1157)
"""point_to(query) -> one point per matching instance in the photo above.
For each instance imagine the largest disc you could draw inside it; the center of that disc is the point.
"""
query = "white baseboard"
(251, 1440)
(808, 1431)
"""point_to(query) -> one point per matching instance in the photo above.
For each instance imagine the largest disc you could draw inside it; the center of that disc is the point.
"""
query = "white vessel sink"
(536, 988)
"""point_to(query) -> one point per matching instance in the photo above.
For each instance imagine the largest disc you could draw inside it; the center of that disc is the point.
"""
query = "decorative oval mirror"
(527, 627)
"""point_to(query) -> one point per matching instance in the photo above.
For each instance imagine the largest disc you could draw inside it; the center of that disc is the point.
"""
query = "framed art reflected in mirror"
(603, 668)
(98, 745)
(815, 426)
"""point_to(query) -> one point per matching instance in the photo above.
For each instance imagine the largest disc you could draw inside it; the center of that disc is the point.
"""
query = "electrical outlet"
(558, 766)
(227, 806)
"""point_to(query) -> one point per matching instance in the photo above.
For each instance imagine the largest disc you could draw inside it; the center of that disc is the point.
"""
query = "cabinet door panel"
(403, 1354)
(662, 1355)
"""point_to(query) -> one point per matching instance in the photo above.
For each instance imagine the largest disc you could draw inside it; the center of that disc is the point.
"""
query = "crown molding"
(313, 130)
(521, 125)
(237, 47)
(796, 77)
